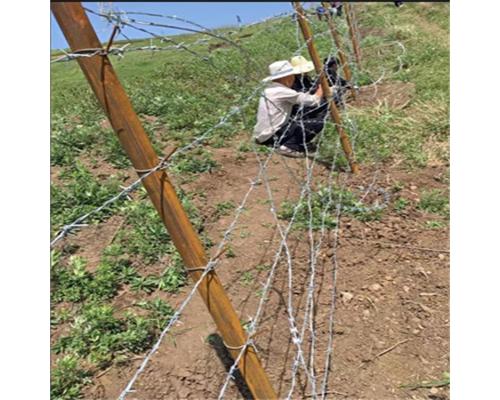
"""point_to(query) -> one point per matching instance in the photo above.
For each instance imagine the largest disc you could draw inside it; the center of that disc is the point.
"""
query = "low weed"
(400, 204)
(80, 194)
(194, 162)
(432, 224)
(445, 381)
(70, 139)
(434, 201)
(224, 208)
(98, 336)
(324, 206)
(68, 379)
(247, 278)
(146, 235)
(73, 283)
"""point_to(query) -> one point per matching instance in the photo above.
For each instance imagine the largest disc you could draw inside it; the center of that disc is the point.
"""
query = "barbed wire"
(120, 51)
(297, 338)
(78, 223)
(314, 243)
(208, 268)
(211, 265)
(306, 189)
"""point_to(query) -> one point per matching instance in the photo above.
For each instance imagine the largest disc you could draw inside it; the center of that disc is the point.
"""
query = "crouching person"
(275, 127)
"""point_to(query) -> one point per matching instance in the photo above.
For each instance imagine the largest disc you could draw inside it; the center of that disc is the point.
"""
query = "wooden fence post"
(101, 76)
(351, 18)
(318, 65)
(338, 42)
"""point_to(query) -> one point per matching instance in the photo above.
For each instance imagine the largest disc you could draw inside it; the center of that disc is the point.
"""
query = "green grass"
(68, 378)
(382, 133)
(323, 208)
(429, 384)
(80, 194)
(436, 202)
(99, 337)
(146, 235)
(400, 204)
(224, 208)
(179, 97)
(432, 224)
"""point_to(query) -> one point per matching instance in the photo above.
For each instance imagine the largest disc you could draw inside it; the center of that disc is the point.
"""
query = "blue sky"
(209, 14)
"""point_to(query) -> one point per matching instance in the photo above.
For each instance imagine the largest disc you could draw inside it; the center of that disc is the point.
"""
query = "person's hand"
(319, 92)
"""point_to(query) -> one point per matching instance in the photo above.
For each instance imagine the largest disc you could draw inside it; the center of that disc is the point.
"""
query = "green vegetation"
(434, 201)
(81, 193)
(434, 224)
(68, 379)
(430, 384)
(173, 93)
(400, 204)
(404, 47)
(224, 208)
(99, 334)
(323, 208)
(247, 278)
(196, 162)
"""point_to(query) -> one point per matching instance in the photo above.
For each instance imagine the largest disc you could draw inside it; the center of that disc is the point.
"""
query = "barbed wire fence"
(297, 336)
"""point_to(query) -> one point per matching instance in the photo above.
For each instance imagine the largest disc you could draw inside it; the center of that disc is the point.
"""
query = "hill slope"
(116, 283)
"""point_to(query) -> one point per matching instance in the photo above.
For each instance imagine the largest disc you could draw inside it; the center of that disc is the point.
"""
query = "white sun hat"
(280, 69)
(300, 63)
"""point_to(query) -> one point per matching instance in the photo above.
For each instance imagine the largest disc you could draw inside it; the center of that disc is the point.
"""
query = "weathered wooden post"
(101, 76)
(340, 50)
(351, 19)
(318, 65)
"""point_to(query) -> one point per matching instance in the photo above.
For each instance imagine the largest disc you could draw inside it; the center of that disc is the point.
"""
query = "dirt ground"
(391, 318)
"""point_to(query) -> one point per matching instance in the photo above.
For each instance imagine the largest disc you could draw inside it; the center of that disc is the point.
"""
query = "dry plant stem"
(390, 348)
(383, 352)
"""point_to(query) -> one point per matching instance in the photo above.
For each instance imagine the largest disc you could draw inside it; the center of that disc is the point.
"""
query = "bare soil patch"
(391, 318)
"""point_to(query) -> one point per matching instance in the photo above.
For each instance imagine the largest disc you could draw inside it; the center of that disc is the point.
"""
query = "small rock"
(434, 390)
(183, 373)
(375, 287)
(413, 187)
(441, 256)
(330, 252)
(406, 289)
(347, 297)
(415, 331)
(366, 313)
(183, 393)
(380, 345)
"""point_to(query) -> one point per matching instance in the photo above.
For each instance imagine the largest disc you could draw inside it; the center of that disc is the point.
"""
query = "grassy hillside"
(179, 96)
